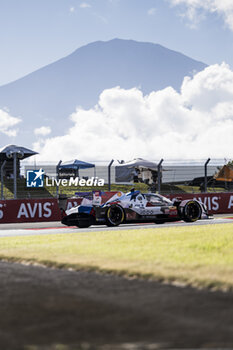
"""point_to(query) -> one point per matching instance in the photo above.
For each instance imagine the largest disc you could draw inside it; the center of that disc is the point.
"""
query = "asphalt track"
(44, 228)
(43, 308)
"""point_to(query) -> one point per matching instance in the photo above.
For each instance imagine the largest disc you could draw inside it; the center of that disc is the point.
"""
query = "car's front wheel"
(115, 215)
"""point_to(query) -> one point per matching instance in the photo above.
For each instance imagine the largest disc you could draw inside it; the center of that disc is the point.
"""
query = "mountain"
(49, 95)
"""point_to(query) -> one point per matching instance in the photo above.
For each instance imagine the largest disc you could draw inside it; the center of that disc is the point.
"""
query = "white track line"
(66, 230)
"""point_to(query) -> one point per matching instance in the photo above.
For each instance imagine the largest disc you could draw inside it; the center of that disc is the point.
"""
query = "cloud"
(101, 18)
(42, 131)
(195, 9)
(72, 9)
(7, 123)
(195, 123)
(84, 5)
(151, 11)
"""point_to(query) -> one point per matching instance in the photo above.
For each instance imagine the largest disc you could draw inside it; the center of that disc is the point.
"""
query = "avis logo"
(35, 178)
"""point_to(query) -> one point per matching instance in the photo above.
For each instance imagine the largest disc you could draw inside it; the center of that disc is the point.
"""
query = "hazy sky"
(34, 33)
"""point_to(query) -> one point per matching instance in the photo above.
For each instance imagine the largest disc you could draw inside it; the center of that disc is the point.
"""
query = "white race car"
(134, 207)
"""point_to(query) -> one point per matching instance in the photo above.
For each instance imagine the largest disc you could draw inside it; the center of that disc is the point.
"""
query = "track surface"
(44, 307)
(91, 311)
(44, 228)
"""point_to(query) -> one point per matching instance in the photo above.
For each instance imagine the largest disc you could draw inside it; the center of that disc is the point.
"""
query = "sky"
(34, 33)
(195, 123)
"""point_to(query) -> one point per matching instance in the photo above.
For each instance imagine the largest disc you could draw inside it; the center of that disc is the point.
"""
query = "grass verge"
(201, 256)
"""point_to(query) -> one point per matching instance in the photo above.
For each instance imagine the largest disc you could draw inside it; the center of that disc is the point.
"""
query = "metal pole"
(57, 170)
(159, 175)
(2, 179)
(15, 174)
(109, 174)
(205, 180)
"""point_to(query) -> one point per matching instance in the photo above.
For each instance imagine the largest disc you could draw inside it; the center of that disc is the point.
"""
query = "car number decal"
(146, 212)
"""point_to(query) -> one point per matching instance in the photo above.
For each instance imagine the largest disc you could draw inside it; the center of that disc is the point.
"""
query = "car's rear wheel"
(191, 211)
(115, 215)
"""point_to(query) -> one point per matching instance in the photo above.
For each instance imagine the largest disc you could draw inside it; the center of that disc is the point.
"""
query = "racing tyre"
(115, 215)
(191, 211)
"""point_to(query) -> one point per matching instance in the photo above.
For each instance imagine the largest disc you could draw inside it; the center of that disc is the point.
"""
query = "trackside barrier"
(33, 210)
(38, 210)
(217, 203)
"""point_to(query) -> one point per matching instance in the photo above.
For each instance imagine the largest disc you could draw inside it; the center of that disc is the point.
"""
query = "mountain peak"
(50, 94)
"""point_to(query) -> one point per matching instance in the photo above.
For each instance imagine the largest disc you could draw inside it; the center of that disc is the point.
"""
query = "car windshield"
(157, 199)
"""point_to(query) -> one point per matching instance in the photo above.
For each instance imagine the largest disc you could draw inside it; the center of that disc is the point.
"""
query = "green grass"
(114, 187)
(7, 193)
(200, 256)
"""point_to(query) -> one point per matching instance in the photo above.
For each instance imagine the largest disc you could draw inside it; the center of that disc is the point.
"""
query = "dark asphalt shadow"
(44, 307)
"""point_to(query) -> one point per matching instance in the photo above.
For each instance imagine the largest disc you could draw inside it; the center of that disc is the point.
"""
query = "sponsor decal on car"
(173, 211)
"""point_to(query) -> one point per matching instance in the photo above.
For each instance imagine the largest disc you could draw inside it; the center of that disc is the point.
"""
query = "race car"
(134, 207)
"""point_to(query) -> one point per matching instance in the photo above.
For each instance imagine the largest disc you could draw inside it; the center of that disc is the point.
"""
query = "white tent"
(125, 172)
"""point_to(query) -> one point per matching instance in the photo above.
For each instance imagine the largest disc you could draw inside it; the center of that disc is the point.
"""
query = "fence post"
(205, 180)
(15, 174)
(109, 174)
(2, 179)
(57, 170)
(159, 175)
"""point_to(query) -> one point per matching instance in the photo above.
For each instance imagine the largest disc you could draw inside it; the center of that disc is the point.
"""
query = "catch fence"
(172, 177)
